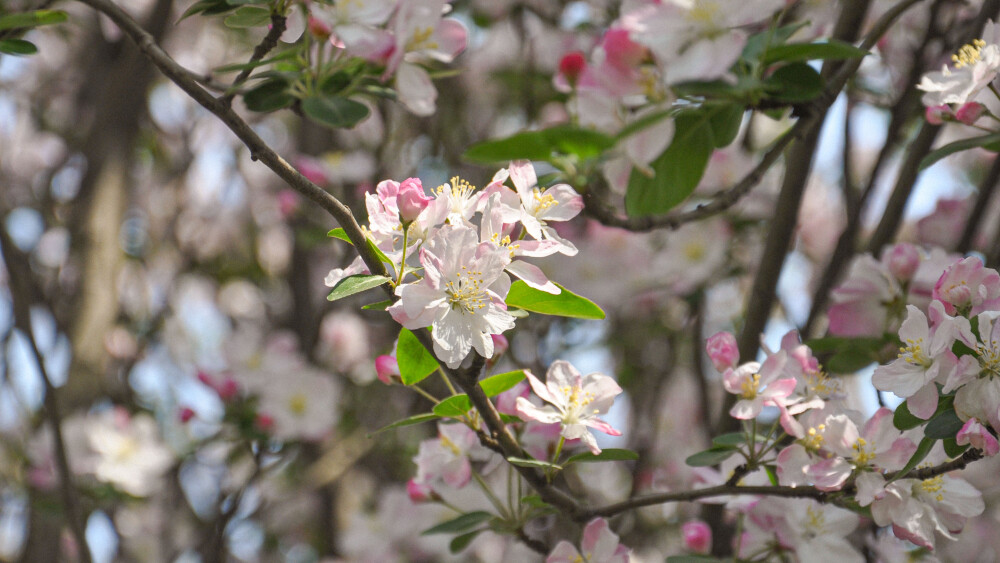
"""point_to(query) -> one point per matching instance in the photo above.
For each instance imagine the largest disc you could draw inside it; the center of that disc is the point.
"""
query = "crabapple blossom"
(758, 385)
(968, 286)
(599, 543)
(460, 296)
(723, 351)
(574, 402)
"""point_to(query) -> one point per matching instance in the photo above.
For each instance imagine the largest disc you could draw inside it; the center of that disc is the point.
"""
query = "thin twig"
(18, 271)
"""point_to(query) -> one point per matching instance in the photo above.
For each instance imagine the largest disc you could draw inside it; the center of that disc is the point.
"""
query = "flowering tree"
(727, 292)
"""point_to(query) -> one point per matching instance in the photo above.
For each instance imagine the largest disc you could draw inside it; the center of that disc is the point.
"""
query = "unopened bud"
(970, 112)
(411, 200)
(387, 369)
(903, 259)
(697, 536)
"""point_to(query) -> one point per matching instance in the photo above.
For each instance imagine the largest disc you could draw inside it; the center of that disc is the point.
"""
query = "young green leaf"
(17, 47)
(496, 384)
(459, 524)
(712, 456)
(454, 406)
(988, 142)
(565, 304)
(415, 419)
(415, 362)
(32, 19)
(335, 111)
(355, 284)
(677, 171)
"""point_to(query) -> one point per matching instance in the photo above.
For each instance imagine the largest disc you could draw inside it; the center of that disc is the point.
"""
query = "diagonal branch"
(259, 150)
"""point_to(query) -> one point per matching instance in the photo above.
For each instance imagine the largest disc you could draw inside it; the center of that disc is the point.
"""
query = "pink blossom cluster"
(399, 35)
(453, 252)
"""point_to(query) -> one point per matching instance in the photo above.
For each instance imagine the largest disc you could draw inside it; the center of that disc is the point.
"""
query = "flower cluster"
(453, 252)
(946, 369)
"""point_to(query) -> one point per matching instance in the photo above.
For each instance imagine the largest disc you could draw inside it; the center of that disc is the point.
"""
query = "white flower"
(576, 400)
(461, 295)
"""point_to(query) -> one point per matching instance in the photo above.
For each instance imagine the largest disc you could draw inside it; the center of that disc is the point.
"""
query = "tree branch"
(259, 150)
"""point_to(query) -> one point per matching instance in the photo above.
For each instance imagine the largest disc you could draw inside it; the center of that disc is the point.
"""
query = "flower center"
(865, 451)
(933, 487)
(913, 353)
(813, 439)
(297, 404)
(543, 201)
(969, 54)
(749, 387)
(465, 293)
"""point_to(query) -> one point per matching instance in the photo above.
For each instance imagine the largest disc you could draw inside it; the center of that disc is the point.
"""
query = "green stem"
(490, 495)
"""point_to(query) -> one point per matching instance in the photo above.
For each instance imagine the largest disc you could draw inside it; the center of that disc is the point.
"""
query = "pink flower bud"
(936, 115)
(697, 536)
(264, 422)
(571, 66)
(970, 112)
(387, 369)
(723, 351)
(419, 491)
(319, 28)
(228, 389)
(185, 414)
(903, 259)
(411, 200)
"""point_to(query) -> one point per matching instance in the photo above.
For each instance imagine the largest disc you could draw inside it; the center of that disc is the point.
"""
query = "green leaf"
(415, 419)
(957, 146)
(831, 50)
(17, 47)
(339, 233)
(496, 384)
(541, 145)
(380, 306)
(270, 95)
(334, 111)
(923, 448)
(609, 454)
(944, 425)
(454, 406)
(355, 284)
(712, 456)
(461, 542)
(248, 16)
(903, 419)
(759, 43)
(678, 170)
(772, 474)
(32, 19)
(725, 122)
(527, 462)
(794, 83)
(415, 362)
(459, 524)
(207, 7)
(566, 304)
(952, 448)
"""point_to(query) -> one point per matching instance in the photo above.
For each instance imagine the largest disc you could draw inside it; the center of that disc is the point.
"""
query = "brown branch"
(814, 113)
(270, 41)
(834, 497)
(18, 272)
(259, 150)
